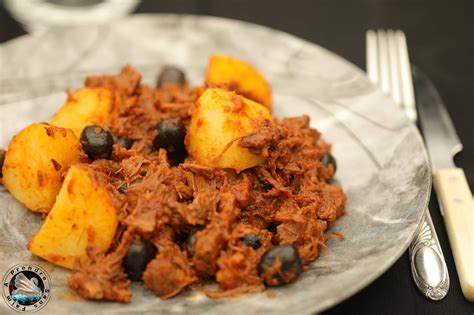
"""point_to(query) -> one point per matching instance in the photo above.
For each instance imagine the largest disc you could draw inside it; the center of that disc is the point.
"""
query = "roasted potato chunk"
(219, 120)
(35, 161)
(239, 76)
(87, 106)
(84, 215)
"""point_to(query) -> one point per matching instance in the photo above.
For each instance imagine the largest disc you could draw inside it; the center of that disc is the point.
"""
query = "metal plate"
(382, 164)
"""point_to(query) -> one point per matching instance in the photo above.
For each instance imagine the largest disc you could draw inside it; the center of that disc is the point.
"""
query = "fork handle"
(455, 201)
(428, 266)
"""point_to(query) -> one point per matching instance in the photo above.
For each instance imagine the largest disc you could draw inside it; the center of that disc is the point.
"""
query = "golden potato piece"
(219, 120)
(240, 77)
(87, 106)
(35, 161)
(84, 214)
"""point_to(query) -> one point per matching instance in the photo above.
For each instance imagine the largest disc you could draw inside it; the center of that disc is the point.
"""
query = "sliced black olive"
(280, 265)
(252, 240)
(328, 159)
(139, 254)
(124, 142)
(122, 188)
(171, 74)
(2, 159)
(191, 244)
(170, 136)
(97, 142)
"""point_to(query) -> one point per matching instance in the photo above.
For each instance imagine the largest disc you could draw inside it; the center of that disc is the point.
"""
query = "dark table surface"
(440, 42)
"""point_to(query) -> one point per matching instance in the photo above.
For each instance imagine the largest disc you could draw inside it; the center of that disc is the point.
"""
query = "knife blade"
(441, 138)
(452, 189)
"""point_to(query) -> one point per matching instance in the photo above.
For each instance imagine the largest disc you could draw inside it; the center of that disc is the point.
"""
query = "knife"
(450, 184)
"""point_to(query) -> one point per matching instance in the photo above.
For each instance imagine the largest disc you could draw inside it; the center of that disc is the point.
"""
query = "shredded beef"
(237, 263)
(288, 200)
(101, 276)
(169, 272)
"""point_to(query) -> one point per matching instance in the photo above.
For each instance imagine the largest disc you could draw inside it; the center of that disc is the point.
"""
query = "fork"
(388, 65)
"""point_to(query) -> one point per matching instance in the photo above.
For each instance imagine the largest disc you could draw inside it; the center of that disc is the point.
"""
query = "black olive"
(252, 240)
(191, 244)
(2, 159)
(265, 186)
(139, 254)
(171, 74)
(328, 159)
(272, 227)
(170, 136)
(280, 265)
(122, 188)
(124, 142)
(97, 142)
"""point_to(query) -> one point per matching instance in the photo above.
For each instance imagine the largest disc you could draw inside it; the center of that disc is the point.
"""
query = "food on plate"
(239, 76)
(85, 107)
(84, 215)
(35, 162)
(220, 120)
(177, 186)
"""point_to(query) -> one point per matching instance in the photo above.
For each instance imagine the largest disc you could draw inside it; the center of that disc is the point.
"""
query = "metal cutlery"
(449, 181)
(388, 65)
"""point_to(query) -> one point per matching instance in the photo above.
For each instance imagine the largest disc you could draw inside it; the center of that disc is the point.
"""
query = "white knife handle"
(455, 201)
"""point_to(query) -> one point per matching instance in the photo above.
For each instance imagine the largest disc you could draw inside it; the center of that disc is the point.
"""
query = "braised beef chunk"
(246, 230)
(169, 272)
(101, 277)
(211, 240)
(126, 82)
(237, 265)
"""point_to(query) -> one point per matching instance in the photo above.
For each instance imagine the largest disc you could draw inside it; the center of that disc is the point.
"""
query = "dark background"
(440, 36)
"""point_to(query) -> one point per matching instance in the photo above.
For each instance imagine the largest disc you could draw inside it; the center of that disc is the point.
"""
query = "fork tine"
(394, 67)
(384, 62)
(408, 96)
(372, 61)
